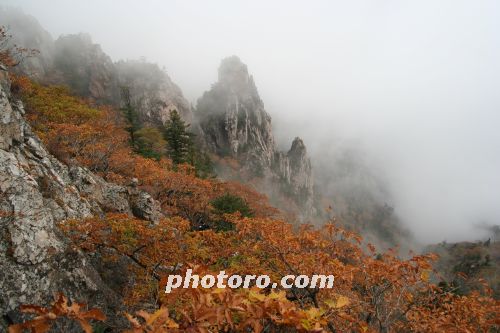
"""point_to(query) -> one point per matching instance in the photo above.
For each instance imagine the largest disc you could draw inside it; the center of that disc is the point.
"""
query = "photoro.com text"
(222, 280)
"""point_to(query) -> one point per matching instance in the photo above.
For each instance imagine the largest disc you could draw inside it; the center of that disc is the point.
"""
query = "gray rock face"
(26, 31)
(76, 61)
(233, 122)
(233, 119)
(83, 66)
(295, 170)
(36, 192)
(152, 92)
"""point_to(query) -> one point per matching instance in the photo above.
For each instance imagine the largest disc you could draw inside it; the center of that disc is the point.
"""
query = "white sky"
(416, 83)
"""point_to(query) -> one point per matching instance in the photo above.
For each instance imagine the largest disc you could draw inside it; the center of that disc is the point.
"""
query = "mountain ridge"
(240, 128)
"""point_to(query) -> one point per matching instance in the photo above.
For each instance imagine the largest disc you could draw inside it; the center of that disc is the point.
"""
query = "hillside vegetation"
(211, 226)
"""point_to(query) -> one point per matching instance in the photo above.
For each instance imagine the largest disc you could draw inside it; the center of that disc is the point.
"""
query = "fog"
(412, 86)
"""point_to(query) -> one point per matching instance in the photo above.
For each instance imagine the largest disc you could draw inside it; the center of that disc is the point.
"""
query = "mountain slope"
(36, 193)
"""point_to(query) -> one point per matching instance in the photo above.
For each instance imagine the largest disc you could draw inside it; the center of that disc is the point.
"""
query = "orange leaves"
(225, 309)
(158, 322)
(72, 130)
(395, 293)
(20, 84)
(444, 312)
(371, 292)
(95, 137)
(60, 308)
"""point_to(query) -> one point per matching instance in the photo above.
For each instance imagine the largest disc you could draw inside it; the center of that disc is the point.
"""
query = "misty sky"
(415, 84)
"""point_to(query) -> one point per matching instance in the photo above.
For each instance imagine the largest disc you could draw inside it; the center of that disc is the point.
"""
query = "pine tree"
(179, 141)
(200, 160)
(130, 114)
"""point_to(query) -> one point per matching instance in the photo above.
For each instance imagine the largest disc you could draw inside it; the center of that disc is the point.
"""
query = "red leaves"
(60, 308)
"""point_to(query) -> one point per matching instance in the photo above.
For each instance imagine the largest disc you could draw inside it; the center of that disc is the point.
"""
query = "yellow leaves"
(53, 104)
(341, 302)
(310, 325)
(159, 321)
(256, 295)
(338, 303)
(425, 274)
(314, 313)
(279, 296)
(313, 319)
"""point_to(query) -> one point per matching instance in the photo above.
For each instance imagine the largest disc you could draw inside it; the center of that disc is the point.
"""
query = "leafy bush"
(228, 204)
(149, 142)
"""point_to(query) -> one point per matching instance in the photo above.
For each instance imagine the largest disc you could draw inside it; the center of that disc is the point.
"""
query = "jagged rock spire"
(234, 123)
(232, 116)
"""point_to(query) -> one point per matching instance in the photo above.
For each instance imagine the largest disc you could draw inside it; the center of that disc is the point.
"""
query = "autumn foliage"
(373, 292)
(61, 308)
(77, 132)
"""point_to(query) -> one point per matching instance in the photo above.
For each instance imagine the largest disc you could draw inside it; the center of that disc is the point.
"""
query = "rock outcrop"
(233, 118)
(89, 72)
(27, 32)
(37, 192)
(233, 122)
(74, 60)
(85, 68)
(296, 174)
(152, 92)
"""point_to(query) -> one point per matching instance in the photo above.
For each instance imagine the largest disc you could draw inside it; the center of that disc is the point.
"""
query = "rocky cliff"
(233, 118)
(152, 92)
(74, 60)
(82, 65)
(37, 192)
(294, 169)
(234, 123)
(26, 31)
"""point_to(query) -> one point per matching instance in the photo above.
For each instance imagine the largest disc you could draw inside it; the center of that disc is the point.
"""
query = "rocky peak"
(295, 172)
(233, 119)
(233, 74)
(152, 92)
(300, 166)
(234, 123)
(298, 150)
(83, 66)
